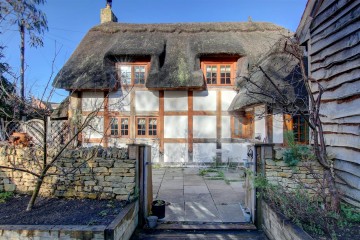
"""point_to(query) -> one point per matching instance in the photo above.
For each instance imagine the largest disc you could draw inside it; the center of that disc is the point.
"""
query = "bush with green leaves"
(295, 153)
(298, 206)
(4, 196)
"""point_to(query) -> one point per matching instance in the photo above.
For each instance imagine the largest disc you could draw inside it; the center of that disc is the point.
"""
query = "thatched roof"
(277, 74)
(173, 49)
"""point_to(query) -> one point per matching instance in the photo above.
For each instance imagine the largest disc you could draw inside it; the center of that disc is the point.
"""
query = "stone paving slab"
(195, 189)
(227, 213)
(201, 197)
(172, 195)
(194, 199)
(175, 212)
(201, 212)
(221, 197)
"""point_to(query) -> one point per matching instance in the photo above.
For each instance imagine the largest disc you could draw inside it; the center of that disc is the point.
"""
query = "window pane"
(211, 74)
(225, 71)
(114, 127)
(125, 74)
(124, 126)
(141, 125)
(152, 126)
(139, 74)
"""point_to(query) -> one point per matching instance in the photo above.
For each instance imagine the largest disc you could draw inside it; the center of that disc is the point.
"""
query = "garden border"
(121, 227)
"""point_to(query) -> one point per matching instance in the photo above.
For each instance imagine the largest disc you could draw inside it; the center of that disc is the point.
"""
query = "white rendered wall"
(92, 101)
(96, 130)
(235, 151)
(260, 127)
(204, 101)
(204, 152)
(278, 128)
(119, 101)
(146, 101)
(226, 99)
(175, 152)
(204, 126)
(225, 127)
(175, 101)
(175, 127)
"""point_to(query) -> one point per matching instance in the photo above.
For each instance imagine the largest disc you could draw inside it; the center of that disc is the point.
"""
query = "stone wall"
(278, 172)
(277, 227)
(94, 173)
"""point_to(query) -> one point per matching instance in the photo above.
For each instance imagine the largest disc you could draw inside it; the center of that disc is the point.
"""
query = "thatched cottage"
(174, 86)
(330, 31)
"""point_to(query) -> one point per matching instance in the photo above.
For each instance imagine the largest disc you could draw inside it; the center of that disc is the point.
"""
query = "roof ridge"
(188, 27)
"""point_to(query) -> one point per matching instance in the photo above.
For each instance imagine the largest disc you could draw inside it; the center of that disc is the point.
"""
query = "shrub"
(295, 153)
(4, 196)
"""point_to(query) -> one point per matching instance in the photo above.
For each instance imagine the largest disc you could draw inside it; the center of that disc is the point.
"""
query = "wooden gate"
(257, 155)
(142, 154)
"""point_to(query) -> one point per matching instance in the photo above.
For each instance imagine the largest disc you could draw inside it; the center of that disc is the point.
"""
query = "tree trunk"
(22, 67)
(334, 202)
(35, 193)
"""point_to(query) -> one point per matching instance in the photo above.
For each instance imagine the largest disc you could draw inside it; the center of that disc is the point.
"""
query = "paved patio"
(193, 198)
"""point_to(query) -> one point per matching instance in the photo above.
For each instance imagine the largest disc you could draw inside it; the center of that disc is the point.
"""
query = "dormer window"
(218, 71)
(132, 73)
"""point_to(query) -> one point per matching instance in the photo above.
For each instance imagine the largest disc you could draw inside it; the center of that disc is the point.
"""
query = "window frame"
(247, 131)
(147, 127)
(218, 63)
(119, 129)
(289, 126)
(132, 65)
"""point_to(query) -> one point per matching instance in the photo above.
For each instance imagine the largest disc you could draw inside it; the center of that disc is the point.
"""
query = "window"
(132, 73)
(242, 127)
(299, 126)
(147, 126)
(300, 129)
(218, 73)
(124, 126)
(114, 127)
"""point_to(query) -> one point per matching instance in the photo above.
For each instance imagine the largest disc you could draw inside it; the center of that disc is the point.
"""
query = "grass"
(4, 196)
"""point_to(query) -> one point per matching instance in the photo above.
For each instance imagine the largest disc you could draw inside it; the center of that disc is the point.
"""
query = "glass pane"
(114, 127)
(141, 126)
(152, 126)
(139, 74)
(124, 126)
(125, 74)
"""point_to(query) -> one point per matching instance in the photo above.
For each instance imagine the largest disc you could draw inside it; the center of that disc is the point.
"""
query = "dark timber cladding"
(333, 41)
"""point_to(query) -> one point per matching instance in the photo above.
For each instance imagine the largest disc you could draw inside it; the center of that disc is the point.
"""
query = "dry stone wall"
(95, 173)
(278, 172)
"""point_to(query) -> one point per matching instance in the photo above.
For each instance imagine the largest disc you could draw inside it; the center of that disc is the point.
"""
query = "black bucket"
(158, 208)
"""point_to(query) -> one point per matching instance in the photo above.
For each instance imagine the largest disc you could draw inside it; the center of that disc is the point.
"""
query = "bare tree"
(285, 86)
(29, 19)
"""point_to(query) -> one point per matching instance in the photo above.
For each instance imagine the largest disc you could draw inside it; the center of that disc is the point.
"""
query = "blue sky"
(69, 20)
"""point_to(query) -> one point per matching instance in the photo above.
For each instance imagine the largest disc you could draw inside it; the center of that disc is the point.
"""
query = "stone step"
(206, 226)
(202, 235)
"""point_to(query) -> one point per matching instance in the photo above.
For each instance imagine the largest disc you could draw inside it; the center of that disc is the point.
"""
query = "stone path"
(195, 199)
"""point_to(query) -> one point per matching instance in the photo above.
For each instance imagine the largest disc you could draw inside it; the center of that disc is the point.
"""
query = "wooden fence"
(57, 130)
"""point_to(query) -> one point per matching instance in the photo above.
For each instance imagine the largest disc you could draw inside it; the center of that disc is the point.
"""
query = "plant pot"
(152, 221)
(158, 208)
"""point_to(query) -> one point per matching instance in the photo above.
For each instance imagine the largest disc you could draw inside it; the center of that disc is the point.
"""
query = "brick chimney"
(106, 14)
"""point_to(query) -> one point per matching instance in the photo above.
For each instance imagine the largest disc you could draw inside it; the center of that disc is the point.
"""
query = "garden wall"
(81, 173)
(277, 227)
(278, 172)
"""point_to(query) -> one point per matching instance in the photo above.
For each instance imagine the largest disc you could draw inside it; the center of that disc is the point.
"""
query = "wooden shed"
(330, 31)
